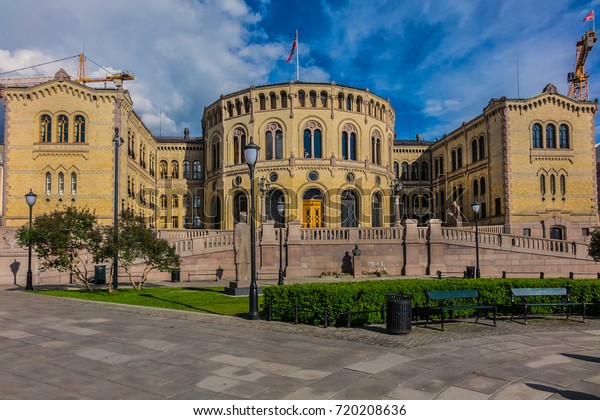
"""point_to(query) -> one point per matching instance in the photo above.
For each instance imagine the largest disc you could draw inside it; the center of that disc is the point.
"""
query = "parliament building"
(328, 152)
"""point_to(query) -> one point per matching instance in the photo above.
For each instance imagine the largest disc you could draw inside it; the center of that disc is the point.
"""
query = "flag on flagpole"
(590, 16)
(293, 49)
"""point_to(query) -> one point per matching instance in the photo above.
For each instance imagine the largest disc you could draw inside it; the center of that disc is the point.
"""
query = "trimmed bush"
(313, 298)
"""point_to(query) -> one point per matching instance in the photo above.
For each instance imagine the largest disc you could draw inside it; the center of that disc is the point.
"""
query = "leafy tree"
(62, 238)
(139, 244)
(594, 247)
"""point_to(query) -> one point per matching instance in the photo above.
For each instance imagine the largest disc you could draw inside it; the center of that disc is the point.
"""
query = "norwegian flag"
(590, 16)
(293, 49)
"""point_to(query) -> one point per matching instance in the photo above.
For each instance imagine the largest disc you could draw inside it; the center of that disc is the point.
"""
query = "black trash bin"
(470, 272)
(100, 274)
(399, 313)
(175, 276)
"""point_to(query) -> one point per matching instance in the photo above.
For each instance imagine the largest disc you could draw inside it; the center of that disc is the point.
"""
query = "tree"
(61, 239)
(139, 244)
(594, 247)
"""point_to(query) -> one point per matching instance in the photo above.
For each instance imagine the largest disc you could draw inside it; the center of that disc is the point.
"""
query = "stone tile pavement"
(54, 348)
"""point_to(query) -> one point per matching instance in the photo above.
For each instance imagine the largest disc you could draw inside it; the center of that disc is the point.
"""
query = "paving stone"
(457, 393)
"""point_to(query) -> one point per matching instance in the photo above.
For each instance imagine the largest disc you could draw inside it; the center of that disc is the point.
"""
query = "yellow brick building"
(329, 152)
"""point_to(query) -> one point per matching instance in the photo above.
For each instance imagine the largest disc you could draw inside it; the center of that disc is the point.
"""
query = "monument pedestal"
(239, 289)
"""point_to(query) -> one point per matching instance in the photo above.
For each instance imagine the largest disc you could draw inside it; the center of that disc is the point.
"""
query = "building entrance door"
(312, 213)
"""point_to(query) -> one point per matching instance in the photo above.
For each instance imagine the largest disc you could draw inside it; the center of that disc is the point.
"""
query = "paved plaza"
(54, 348)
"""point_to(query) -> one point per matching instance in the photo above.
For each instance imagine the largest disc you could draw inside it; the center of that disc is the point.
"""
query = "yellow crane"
(578, 79)
(83, 78)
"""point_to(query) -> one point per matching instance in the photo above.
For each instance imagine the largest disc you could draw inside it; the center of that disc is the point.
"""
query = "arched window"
(274, 196)
(61, 183)
(459, 157)
(216, 156)
(240, 204)
(341, 100)
(174, 201)
(246, 105)
(536, 136)
(359, 102)
(45, 129)
(481, 147)
(550, 136)
(564, 137)
(262, 102)
(349, 142)
(197, 201)
(186, 169)
(312, 97)
(174, 169)
(162, 169)
(62, 134)
(238, 107)
(284, 99)
(414, 171)
(48, 183)
(376, 210)
(79, 129)
(397, 170)
(301, 98)
(474, 151)
(563, 184)
(186, 201)
(543, 184)
(552, 184)
(404, 174)
(163, 201)
(436, 168)
(273, 100)
(239, 142)
(73, 183)
(274, 142)
(424, 171)
(376, 148)
(442, 165)
(453, 156)
(350, 209)
(324, 99)
(482, 186)
(196, 170)
(349, 100)
(475, 189)
(312, 140)
(229, 109)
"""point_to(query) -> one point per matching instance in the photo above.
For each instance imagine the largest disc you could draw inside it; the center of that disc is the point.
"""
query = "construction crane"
(578, 89)
(83, 78)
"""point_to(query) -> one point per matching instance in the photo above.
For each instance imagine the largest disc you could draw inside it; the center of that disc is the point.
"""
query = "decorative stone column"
(435, 248)
(412, 249)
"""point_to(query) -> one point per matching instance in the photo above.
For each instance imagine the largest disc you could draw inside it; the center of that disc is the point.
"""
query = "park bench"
(443, 301)
(520, 298)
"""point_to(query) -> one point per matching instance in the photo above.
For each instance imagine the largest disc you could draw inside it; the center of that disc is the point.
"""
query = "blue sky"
(439, 62)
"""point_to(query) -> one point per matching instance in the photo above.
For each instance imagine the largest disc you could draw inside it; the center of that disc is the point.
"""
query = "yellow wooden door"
(312, 211)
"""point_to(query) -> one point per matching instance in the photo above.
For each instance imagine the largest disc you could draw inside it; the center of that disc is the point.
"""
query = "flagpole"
(297, 57)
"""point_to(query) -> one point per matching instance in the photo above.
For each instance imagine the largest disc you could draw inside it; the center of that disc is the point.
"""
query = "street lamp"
(30, 198)
(251, 154)
(280, 210)
(115, 280)
(396, 187)
(476, 207)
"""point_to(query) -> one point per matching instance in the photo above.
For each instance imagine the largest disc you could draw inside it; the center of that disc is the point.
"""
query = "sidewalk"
(54, 348)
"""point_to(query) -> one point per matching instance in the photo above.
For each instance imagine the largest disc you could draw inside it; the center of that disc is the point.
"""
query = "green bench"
(520, 298)
(443, 301)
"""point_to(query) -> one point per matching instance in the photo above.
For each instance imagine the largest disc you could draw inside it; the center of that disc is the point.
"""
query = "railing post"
(270, 311)
(326, 317)
(348, 319)
(296, 311)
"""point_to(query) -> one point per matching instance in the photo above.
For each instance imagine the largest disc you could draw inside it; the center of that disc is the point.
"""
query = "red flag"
(292, 52)
(590, 16)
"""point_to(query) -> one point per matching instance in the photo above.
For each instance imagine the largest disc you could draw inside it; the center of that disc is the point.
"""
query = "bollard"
(296, 311)
(326, 317)
(541, 274)
(571, 275)
(348, 324)
(503, 274)
(270, 311)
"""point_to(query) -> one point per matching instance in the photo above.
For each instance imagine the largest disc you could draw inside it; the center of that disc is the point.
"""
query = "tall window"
(474, 151)
(536, 136)
(404, 174)
(79, 129)
(359, 103)
(481, 147)
(564, 136)
(349, 101)
(262, 102)
(174, 169)
(349, 142)
(550, 136)
(273, 100)
(274, 142)
(442, 165)
(563, 185)
(312, 140)
(312, 97)
(453, 156)
(73, 183)
(48, 183)
(175, 201)
(424, 171)
(162, 169)
(45, 129)
(196, 170)
(302, 98)
(186, 201)
(376, 207)
(284, 99)
(324, 99)
(414, 171)
(341, 100)
(376, 148)
(459, 157)
(61, 183)
(543, 184)
(397, 169)
(552, 184)
(186, 169)
(239, 142)
(163, 201)
(62, 135)
(436, 168)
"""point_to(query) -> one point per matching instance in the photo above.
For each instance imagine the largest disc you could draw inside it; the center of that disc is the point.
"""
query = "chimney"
(186, 133)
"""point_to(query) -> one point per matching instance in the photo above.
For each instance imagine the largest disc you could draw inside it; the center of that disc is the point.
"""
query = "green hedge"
(312, 298)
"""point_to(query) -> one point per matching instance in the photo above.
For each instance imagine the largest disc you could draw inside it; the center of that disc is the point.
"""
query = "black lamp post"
(396, 187)
(280, 210)
(251, 154)
(30, 198)
(115, 272)
(476, 207)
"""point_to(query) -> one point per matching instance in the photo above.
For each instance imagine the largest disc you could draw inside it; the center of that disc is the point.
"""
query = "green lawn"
(196, 299)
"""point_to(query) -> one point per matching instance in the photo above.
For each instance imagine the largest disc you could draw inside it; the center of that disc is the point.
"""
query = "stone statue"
(241, 246)
(457, 214)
